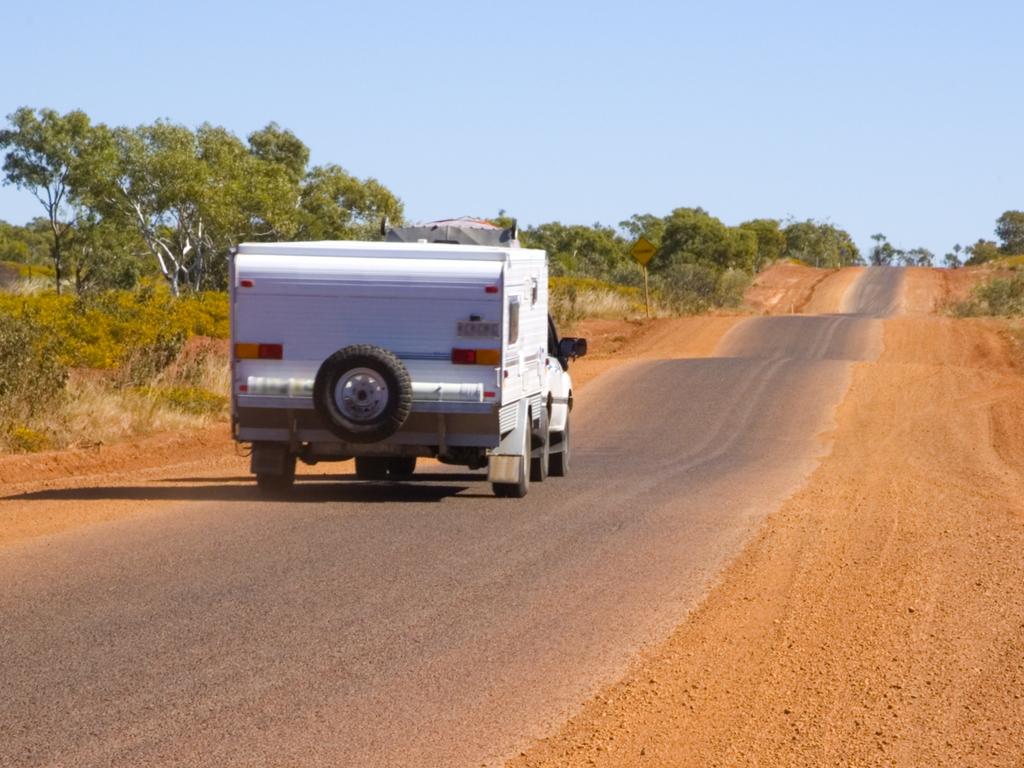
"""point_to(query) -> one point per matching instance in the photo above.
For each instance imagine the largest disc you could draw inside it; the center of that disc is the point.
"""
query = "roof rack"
(461, 231)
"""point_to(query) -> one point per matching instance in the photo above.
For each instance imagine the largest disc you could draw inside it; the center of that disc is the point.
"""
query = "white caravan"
(420, 345)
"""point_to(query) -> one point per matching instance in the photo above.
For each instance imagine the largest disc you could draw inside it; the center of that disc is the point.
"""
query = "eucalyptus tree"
(28, 243)
(820, 244)
(917, 257)
(279, 146)
(1010, 230)
(982, 251)
(882, 252)
(43, 155)
(771, 241)
(590, 251)
(152, 178)
(644, 225)
(335, 205)
(104, 254)
(189, 195)
(693, 236)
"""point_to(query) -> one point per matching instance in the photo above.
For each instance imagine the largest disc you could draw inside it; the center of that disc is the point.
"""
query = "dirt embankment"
(785, 289)
(878, 618)
(931, 291)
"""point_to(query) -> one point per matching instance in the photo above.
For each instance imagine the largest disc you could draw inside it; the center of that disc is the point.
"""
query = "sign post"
(643, 251)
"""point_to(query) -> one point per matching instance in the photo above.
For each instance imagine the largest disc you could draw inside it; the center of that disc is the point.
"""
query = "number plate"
(479, 329)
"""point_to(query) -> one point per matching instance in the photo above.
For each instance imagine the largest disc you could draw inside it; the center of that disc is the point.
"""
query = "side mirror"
(570, 348)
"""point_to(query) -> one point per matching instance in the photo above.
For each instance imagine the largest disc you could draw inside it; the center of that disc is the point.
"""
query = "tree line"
(1009, 230)
(177, 196)
(120, 202)
(701, 261)
(1010, 234)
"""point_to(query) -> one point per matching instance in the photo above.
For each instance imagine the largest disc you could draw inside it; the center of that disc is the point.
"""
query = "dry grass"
(593, 303)
(81, 370)
(32, 286)
(98, 408)
(97, 413)
(573, 299)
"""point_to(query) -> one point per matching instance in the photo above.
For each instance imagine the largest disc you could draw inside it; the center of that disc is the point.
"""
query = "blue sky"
(900, 117)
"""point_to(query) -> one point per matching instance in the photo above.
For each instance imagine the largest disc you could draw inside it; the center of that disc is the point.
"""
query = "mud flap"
(506, 463)
(504, 469)
(269, 459)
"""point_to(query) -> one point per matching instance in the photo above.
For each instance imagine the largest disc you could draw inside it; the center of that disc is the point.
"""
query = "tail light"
(248, 351)
(476, 356)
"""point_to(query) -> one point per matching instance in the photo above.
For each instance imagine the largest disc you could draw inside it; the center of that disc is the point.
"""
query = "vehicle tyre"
(541, 451)
(401, 468)
(559, 464)
(363, 393)
(274, 484)
(372, 467)
(518, 489)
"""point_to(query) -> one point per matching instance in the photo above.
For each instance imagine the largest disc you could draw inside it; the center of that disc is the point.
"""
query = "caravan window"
(513, 320)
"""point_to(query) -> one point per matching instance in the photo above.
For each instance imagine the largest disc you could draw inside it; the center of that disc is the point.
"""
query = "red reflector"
(271, 351)
(245, 283)
(491, 289)
(464, 356)
(243, 387)
(490, 394)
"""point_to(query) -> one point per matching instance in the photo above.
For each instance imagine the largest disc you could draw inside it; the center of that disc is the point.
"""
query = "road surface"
(415, 624)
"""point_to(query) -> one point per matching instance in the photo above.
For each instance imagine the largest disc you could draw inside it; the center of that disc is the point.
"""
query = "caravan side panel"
(526, 326)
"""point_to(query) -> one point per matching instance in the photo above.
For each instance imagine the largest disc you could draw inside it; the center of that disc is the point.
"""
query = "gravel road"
(424, 623)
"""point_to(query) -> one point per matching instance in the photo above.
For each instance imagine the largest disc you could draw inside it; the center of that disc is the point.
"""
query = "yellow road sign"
(642, 251)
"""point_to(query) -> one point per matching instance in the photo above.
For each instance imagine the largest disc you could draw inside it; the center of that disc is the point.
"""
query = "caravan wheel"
(560, 458)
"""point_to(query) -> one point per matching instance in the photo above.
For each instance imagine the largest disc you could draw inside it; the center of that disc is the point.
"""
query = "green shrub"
(688, 288)
(26, 440)
(32, 376)
(732, 284)
(143, 364)
(1001, 296)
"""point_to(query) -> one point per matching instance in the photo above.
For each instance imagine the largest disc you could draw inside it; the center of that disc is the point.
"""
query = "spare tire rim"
(361, 394)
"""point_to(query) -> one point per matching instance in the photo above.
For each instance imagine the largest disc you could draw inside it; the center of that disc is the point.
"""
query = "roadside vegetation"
(997, 297)
(112, 306)
(82, 370)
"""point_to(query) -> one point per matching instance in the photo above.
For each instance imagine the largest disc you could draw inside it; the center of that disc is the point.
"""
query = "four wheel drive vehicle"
(436, 342)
